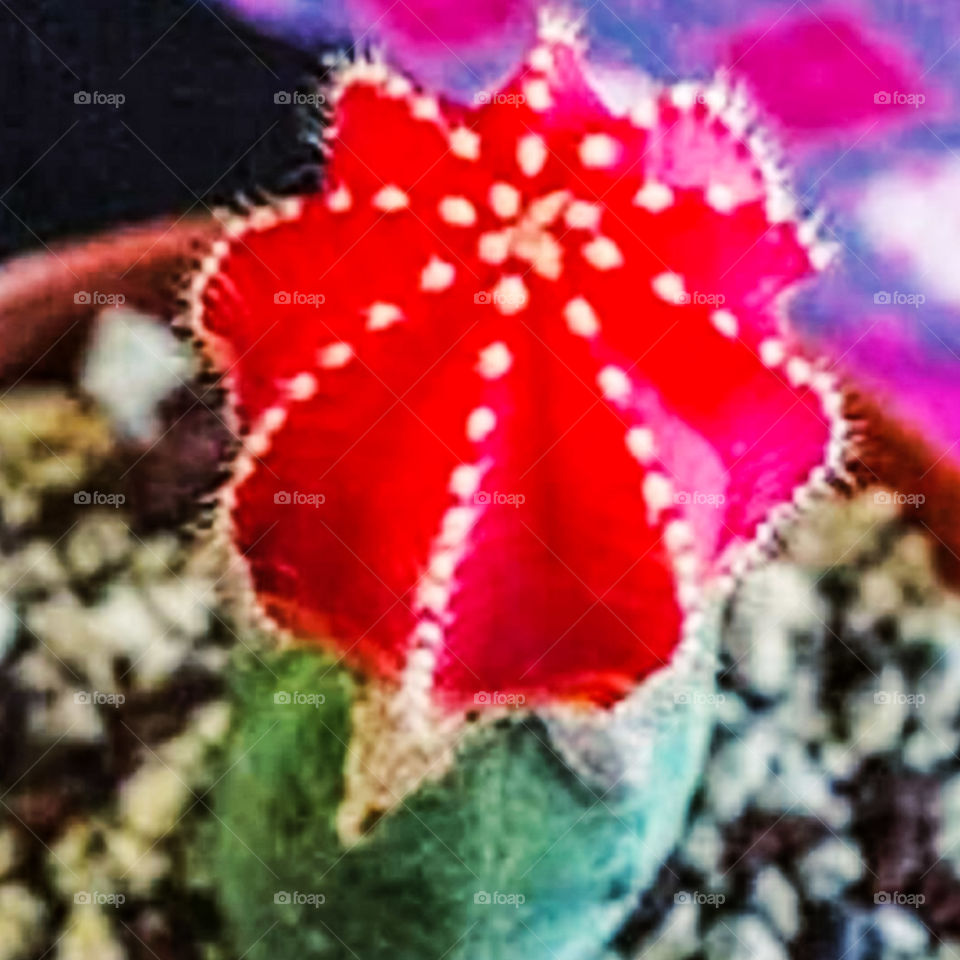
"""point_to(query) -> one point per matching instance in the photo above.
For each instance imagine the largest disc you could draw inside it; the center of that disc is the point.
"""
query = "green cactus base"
(510, 854)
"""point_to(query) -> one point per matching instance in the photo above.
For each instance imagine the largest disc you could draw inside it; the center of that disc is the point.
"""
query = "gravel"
(827, 824)
(829, 815)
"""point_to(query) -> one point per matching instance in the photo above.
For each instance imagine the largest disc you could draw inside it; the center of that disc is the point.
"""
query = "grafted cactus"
(519, 403)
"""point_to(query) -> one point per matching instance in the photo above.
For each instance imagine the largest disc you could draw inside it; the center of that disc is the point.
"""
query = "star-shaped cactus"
(515, 383)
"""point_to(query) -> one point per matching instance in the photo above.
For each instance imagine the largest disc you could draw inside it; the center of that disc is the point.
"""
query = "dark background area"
(199, 125)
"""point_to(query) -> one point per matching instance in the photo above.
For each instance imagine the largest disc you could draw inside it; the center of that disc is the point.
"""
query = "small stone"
(124, 340)
(904, 935)
(744, 937)
(152, 799)
(830, 868)
(127, 625)
(73, 869)
(777, 898)
(801, 786)
(58, 709)
(940, 688)
(739, 769)
(8, 627)
(732, 712)
(839, 760)
(184, 603)
(10, 850)
(22, 922)
(88, 933)
(877, 715)
(71, 715)
(801, 711)
(949, 950)
(68, 635)
(157, 556)
(212, 721)
(97, 542)
(949, 835)
(775, 601)
(924, 749)
(140, 863)
(703, 847)
(677, 937)
(34, 567)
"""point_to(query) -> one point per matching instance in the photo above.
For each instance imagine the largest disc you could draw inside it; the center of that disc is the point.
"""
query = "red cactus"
(514, 379)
